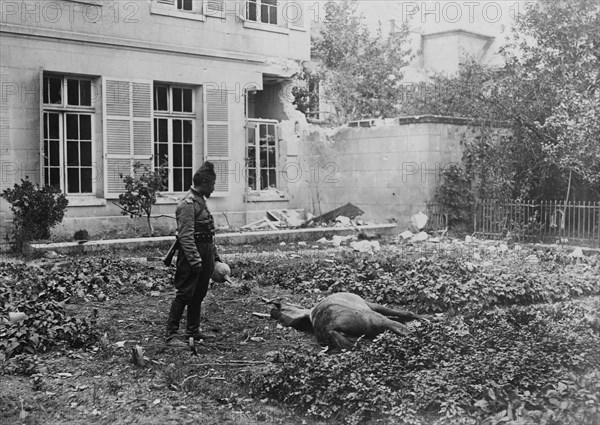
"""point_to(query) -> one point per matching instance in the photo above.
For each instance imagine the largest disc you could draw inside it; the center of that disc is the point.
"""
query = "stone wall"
(389, 171)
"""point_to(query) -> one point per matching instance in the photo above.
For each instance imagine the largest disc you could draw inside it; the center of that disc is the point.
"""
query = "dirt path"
(102, 385)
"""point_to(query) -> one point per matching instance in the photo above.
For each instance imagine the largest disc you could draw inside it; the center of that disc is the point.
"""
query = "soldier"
(197, 255)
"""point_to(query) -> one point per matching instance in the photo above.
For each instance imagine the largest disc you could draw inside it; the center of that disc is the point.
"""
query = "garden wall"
(389, 170)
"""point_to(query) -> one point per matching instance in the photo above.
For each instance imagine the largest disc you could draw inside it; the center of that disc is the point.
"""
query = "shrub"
(35, 211)
(141, 190)
(81, 235)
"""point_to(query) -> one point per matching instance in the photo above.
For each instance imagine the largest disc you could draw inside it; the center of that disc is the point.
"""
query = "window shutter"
(215, 8)
(42, 181)
(127, 130)
(295, 14)
(216, 135)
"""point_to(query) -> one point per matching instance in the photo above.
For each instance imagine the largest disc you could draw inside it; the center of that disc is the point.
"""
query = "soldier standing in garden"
(197, 255)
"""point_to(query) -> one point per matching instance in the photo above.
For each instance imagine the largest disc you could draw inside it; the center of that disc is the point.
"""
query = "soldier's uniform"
(196, 231)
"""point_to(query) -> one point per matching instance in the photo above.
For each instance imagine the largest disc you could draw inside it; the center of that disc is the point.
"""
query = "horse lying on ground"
(341, 318)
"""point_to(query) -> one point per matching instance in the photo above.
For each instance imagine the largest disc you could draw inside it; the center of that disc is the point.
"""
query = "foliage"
(44, 293)
(547, 95)
(454, 195)
(81, 235)
(360, 73)
(35, 210)
(141, 191)
(427, 285)
(499, 366)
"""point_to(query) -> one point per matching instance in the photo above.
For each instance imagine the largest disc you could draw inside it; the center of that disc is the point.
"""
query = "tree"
(141, 190)
(547, 95)
(360, 73)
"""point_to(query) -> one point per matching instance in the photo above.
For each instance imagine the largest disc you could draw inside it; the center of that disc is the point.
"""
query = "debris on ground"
(349, 211)
(419, 220)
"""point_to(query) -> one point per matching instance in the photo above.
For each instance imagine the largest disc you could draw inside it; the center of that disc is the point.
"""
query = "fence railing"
(543, 221)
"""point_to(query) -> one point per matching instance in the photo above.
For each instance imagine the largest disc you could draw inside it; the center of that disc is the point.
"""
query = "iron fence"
(542, 221)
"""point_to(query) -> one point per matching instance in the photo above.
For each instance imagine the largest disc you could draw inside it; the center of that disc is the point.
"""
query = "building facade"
(90, 88)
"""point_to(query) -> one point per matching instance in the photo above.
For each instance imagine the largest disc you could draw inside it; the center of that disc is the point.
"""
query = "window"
(261, 154)
(184, 5)
(264, 11)
(68, 143)
(189, 9)
(174, 134)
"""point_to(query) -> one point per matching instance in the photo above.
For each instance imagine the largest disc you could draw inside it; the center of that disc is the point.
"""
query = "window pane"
(161, 98)
(187, 100)
(187, 179)
(271, 157)
(73, 180)
(252, 178)
(178, 181)
(85, 131)
(177, 103)
(72, 127)
(55, 178)
(85, 153)
(73, 92)
(272, 181)
(187, 156)
(264, 179)
(187, 132)
(54, 152)
(72, 153)
(53, 126)
(177, 156)
(86, 180)
(252, 10)
(177, 131)
(45, 126)
(264, 13)
(52, 90)
(251, 156)
(85, 93)
(163, 136)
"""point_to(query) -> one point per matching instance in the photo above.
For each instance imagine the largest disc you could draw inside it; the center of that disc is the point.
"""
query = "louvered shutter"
(215, 8)
(216, 136)
(295, 15)
(42, 180)
(127, 130)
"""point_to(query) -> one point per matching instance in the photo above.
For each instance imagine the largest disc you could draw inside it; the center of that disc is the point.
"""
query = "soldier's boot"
(175, 314)
(193, 324)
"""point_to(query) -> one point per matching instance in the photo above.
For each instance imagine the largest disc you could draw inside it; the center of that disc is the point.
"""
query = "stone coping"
(233, 238)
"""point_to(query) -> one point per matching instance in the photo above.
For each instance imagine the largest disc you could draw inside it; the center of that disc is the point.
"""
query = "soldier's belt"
(204, 237)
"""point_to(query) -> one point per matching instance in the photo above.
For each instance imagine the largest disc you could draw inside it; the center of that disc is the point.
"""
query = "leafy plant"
(141, 191)
(454, 196)
(35, 210)
(487, 368)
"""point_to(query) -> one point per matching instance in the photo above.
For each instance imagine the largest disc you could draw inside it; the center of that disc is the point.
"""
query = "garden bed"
(514, 341)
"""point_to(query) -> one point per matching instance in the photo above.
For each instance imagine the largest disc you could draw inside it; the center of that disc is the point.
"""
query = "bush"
(81, 235)
(35, 211)
(141, 190)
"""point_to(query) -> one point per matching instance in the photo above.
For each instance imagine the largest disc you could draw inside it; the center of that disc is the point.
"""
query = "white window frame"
(63, 109)
(270, 8)
(257, 166)
(171, 8)
(170, 115)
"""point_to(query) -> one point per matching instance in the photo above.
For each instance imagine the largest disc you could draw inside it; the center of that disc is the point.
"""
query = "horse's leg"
(396, 315)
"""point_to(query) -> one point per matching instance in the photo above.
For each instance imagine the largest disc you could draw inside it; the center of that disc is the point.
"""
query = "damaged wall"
(389, 171)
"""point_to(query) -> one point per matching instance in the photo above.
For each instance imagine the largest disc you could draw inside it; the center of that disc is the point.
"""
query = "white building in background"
(446, 33)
